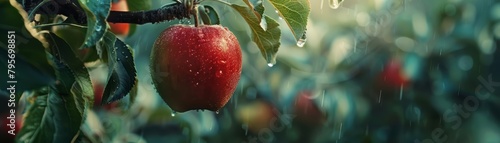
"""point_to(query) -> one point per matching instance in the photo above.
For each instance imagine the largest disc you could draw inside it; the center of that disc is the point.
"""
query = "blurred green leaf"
(97, 11)
(122, 73)
(51, 118)
(137, 5)
(208, 15)
(295, 14)
(268, 39)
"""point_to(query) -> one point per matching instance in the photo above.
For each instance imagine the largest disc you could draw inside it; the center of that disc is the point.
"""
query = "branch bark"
(165, 13)
(71, 8)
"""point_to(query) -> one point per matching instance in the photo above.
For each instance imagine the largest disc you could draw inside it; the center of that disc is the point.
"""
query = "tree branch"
(71, 8)
(165, 13)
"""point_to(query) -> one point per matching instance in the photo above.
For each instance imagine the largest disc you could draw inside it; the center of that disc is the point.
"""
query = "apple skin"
(196, 67)
(121, 29)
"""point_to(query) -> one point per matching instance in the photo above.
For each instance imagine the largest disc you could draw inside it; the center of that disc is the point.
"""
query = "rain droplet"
(217, 112)
(334, 4)
(172, 114)
(379, 96)
(98, 28)
(302, 41)
(276, 11)
(270, 64)
(401, 92)
(218, 74)
(245, 126)
(271, 59)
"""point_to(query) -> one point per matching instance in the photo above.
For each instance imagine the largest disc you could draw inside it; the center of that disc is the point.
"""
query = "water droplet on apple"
(302, 41)
(218, 74)
(334, 4)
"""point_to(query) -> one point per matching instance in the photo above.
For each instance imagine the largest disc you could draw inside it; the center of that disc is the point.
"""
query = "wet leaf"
(295, 13)
(122, 71)
(268, 40)
(97, 11)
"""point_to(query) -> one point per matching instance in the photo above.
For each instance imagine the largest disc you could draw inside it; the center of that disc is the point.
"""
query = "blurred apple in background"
(120, 29)
(257, 115)
(307, 110)
(393, 76)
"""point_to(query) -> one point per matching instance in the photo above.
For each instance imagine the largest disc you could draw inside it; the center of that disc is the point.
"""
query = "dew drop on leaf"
(217, 112)
(270, 64)
(172, 114)
(334, 4)
(98, 28)
(302, 41)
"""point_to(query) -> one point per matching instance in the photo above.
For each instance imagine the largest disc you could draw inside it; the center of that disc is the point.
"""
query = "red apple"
(196, 67)
(121, 29)
(393, 75)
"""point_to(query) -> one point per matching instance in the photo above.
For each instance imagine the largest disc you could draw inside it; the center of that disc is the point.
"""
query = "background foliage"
(370, 71)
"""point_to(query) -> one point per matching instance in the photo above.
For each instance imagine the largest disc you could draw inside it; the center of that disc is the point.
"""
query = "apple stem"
(195, 13)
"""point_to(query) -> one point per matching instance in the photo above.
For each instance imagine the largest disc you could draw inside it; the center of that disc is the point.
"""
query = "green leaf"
(268, 40)
(256, 5)
(82, 87)
(208, 15)
(138, 5)
(75, 37)
(295, 13)
(51, 118)
(97, 11)
(122, 73)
